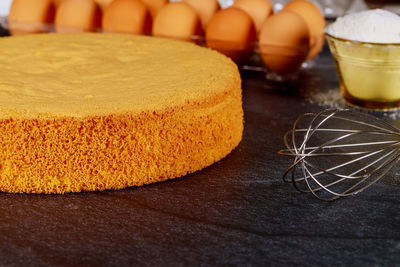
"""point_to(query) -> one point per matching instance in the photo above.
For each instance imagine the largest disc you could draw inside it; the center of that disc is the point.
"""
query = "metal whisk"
(339, 152)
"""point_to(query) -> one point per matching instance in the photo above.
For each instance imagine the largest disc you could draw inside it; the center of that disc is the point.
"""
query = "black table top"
(235, 212)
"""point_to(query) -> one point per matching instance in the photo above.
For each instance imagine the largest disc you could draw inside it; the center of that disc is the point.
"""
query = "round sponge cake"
(92, 112)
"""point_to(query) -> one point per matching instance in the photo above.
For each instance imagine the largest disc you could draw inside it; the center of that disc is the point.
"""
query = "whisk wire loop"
(339, 152)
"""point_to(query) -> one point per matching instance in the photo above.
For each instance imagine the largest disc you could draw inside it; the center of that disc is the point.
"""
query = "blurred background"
(335, 8)
(330, 8)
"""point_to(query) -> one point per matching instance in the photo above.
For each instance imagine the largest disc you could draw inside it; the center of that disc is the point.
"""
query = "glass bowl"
(368, 73)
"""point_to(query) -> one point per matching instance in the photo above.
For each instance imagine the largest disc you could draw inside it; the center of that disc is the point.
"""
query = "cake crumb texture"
(134, 126)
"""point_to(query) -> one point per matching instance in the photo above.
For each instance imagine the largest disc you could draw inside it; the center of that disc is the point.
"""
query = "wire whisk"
(339, 152)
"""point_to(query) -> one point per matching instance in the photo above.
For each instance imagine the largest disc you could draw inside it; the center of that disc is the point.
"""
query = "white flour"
(375, 26)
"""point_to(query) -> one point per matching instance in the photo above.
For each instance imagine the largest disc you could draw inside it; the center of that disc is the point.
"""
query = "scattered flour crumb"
(333, 98)
(330, 98)
(393, 115)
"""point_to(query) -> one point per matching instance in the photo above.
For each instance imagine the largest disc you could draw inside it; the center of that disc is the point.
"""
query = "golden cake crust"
(107, 111)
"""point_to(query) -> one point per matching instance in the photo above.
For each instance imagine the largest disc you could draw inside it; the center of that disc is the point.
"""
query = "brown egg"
(102, 3)
(177, 20)
(259, 10)
(57, 2)
(284, 42)
(231, 31)
(77, 16)
(154, 6)
(205, 9)
(27, 16)
(314, 19)
(127, 16)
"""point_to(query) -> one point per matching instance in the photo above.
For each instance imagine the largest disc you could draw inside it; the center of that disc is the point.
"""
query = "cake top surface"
(92, 74)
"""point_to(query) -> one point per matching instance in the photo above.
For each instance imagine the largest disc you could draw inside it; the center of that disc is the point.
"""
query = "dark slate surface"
(235, 212)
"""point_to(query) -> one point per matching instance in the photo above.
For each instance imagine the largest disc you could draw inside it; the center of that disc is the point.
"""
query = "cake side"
(116, 151)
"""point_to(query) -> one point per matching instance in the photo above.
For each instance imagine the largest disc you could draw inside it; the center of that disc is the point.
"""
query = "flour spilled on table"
(333, 98)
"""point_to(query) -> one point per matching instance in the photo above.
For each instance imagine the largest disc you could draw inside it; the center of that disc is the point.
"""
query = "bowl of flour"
(366, 50)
